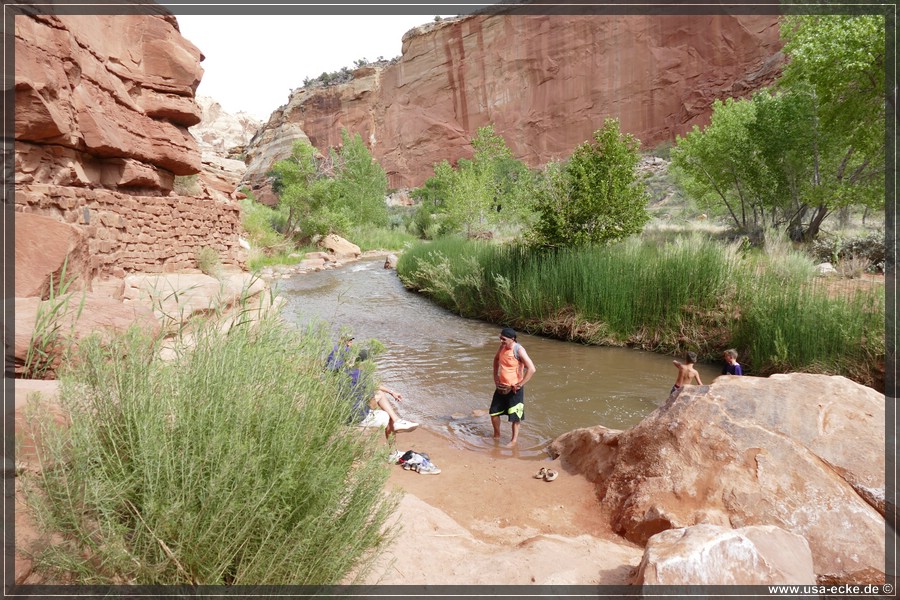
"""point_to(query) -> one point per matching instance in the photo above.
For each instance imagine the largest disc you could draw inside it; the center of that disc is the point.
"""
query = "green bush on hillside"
(595, 197)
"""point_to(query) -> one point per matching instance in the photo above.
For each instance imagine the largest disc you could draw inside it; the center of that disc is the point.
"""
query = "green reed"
(792, 327)
(688, 293)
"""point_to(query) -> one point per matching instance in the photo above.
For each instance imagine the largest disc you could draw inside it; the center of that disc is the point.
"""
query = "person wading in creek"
(513, 368)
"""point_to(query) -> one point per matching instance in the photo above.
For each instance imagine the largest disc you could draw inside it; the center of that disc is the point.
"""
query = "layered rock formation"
(223, 133)
(805, 453)
(546, 83)
(222, 138)
(103, 105)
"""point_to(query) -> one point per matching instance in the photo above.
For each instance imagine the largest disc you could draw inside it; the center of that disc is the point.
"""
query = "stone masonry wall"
(148, 234)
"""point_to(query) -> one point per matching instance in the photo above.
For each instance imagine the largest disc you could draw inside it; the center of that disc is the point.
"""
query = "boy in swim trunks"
(512, 370)
(686, 372)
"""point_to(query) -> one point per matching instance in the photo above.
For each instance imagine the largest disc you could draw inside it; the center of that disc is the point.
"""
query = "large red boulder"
(803, 452)
(44, 247)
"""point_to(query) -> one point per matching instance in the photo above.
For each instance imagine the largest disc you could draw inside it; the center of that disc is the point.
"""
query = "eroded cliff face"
(103, 105)
(222, 138)
(546, 83)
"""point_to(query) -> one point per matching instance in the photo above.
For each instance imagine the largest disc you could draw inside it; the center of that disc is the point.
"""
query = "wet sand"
(485, 519)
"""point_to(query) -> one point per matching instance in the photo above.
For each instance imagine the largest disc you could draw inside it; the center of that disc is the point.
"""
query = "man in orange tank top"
(512, 370)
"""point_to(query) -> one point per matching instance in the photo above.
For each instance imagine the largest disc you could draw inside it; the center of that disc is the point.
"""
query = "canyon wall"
(222, 138)
(103, 105)
(546, 83)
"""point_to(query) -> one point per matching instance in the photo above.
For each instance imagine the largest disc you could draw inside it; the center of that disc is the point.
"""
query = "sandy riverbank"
(486, 520)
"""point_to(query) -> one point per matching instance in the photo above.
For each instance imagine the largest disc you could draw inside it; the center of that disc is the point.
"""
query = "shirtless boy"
(686, 372)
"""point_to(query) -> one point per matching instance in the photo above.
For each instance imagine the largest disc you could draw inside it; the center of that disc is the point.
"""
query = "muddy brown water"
(441, 363)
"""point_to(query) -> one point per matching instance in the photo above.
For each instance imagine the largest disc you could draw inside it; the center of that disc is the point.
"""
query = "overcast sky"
(252, 62)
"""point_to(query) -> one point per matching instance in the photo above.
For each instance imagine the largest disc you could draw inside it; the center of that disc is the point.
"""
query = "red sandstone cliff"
(103, 105)
(546, 83)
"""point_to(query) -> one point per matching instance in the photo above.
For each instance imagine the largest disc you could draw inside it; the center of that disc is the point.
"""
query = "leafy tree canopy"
(360, 183)
(595, 197)
(792, 155)
(353, 194)
(478, 194)
(843, 58)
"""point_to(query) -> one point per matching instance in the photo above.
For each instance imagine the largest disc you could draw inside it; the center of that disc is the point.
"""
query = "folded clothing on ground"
(418, 462)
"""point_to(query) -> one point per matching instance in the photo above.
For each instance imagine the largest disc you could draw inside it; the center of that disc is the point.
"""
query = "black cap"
(508, 332)
(363, 355)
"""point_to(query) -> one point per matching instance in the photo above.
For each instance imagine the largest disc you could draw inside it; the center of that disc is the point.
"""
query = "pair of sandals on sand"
(546, 474)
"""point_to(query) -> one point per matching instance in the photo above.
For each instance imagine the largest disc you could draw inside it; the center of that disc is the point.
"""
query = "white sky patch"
(252, 62)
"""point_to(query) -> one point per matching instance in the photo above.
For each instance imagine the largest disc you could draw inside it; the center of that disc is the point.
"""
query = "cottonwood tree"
(841, 59)
(595, 197)
(719, 165)
(792, 155)
(480, 192)
(360, 183)
(297, 184)
(333, 195)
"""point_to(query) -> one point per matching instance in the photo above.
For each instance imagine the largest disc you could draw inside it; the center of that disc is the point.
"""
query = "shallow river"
(441, 363)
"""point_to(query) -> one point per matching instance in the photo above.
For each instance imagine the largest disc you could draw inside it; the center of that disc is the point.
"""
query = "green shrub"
(208, 262)
(835, 248)
(261, 223)
(231, 465)
(595, 197)
(186, 185)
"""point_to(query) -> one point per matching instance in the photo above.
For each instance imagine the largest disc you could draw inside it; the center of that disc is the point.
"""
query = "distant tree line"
(345, 74)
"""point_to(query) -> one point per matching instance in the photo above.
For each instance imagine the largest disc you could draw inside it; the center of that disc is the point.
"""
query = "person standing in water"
(513, 368)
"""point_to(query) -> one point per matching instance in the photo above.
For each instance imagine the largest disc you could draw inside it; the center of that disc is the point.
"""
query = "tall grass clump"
(232, 465)
(628, 286)
(49, 336)
(209, 262)
(624, 290)
(372, 237)
(688, 293)
(449, 270)
(804, 326)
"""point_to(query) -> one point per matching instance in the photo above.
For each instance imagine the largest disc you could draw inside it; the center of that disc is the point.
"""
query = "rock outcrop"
(222, 138)
(802, 452)
(544, 82)
(49, 254)
(103, 106)
(339, 248)
(712, 555)
(106, 173)
(267, 147)
(223, 133)
(75, 318)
